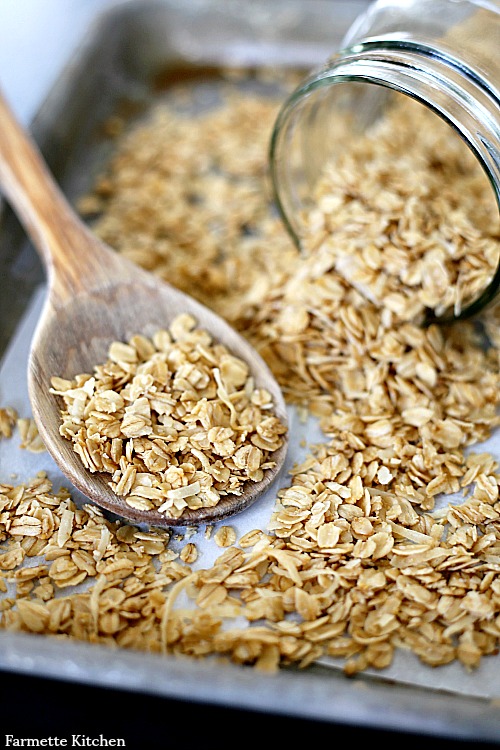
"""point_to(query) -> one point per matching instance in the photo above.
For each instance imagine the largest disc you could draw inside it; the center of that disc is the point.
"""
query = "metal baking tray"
(126, 50)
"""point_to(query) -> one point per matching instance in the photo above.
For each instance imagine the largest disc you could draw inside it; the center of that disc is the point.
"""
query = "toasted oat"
(399, 404)
(175, 421)
(30, 439)
(8, 419)
(189, 553)
(406, 215)
(225, 536)
(363, 554)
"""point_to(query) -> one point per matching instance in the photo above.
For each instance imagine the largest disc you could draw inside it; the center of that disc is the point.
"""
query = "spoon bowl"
(95, 297)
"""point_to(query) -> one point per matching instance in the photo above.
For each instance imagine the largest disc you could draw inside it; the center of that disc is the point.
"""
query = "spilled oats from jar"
(386, 536)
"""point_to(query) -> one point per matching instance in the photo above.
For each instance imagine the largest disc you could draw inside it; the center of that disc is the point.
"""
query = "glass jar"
(441, 53)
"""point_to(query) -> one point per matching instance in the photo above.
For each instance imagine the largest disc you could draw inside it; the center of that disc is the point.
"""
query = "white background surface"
(37, 37)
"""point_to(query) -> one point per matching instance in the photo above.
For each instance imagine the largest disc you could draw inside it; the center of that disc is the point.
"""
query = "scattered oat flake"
(225, 536)
(8, 420)
(30, 439)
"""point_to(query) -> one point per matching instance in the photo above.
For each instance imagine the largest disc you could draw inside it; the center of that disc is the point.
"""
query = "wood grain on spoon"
(96, 297)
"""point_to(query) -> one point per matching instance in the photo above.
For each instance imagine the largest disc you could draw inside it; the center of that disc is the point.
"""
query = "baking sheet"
(454, 702)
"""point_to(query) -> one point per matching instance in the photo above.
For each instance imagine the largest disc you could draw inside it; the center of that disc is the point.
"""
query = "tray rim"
(361, 701)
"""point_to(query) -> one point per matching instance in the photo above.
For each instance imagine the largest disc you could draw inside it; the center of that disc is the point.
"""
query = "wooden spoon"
(95, 297)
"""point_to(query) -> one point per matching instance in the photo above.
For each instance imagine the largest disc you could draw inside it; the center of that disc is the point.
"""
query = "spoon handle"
(69, 251)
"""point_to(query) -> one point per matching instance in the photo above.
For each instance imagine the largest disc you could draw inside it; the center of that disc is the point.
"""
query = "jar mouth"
(457, 94)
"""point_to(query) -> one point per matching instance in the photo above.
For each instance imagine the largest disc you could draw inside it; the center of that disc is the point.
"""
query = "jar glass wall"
(412, 98)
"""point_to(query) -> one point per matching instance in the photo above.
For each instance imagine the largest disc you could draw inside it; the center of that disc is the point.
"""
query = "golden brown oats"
(8, 420)
(35, 616)
(189, 553)
(251, 538)
(407, 216)
(182, 426)
(30, 439)
(225, 536)
(362, 556)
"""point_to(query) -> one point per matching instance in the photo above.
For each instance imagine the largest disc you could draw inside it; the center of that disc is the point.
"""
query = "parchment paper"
(17, 465)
